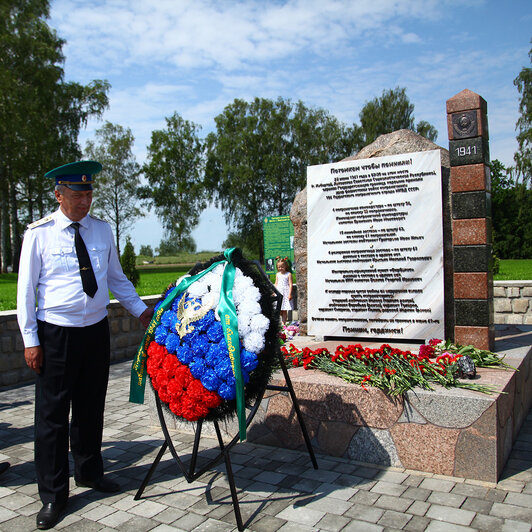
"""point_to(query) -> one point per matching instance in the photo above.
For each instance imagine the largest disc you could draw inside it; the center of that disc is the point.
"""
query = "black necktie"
(88, 280)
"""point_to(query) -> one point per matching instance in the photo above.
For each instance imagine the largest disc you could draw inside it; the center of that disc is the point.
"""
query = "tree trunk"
(15, 232)
(29, 193)
(261, 241)
(5, 246)
(117, 236)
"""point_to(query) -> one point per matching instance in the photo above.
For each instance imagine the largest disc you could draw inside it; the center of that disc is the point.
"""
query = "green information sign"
(278, 234)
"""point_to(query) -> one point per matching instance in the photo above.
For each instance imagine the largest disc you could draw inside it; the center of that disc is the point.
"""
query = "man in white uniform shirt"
(68, 264)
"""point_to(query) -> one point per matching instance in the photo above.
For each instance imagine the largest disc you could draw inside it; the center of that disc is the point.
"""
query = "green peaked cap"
(77, 176)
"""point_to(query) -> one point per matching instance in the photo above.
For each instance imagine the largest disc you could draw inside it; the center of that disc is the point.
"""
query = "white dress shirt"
(49, 276)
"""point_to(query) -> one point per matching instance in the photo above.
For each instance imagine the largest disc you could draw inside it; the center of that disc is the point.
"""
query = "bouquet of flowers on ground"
(288, 331)
(396, 371)
(482, 358)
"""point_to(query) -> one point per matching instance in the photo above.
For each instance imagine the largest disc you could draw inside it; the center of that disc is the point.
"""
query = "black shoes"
(49, 515)
(103, 484)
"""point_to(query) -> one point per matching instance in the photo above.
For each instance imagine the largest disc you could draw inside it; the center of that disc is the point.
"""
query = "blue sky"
(194, 57)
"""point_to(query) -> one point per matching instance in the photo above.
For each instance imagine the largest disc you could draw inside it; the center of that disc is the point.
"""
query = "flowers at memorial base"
(427, 350)
(393, 370)
(482, 358)
(288, 331)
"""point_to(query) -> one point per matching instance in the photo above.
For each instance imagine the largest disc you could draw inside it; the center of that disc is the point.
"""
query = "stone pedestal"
(452, 432)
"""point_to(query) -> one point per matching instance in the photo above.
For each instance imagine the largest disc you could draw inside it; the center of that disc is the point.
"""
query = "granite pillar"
(467, 125)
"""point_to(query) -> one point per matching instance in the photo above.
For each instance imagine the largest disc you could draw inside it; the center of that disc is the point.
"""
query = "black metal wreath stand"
(191, 474)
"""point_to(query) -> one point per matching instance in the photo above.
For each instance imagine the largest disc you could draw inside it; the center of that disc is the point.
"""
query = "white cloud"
(411, 38)
(230, 35)
(196, 57)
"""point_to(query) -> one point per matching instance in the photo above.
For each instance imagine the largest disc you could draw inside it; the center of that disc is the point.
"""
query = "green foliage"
(147, 251)
(127, 260)
(182, 258)
(511, 214)
(174, 173)
(171, 247)
(495, 264)
(40, 117)
(256, 159)
(501, 178)
(523, 156)
(390, 112)
(115, 198)
(427, 130)
(511, 192)
(248, 245)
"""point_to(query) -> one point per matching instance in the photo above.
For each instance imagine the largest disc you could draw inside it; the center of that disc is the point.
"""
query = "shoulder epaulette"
(42, 221)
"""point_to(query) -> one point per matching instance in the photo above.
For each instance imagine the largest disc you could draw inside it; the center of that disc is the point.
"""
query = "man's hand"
(145, 317)
(34, 357)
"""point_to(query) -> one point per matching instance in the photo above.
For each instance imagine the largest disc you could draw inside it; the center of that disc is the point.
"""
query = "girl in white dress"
(283, 283)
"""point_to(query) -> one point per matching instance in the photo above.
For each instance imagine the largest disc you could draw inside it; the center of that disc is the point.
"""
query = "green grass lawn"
(8, 291)
(514, 270)
(152, 281)
(155, 278)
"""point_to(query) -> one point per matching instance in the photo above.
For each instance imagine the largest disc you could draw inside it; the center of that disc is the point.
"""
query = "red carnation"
(161, 378)
(170, 364)
(183, 375)
(426, 351)
(211, 399)
(163, 394)
(435, 341)
(152, 365)
(175, 388)
(191, 410)
(175, 406)
(157, 351)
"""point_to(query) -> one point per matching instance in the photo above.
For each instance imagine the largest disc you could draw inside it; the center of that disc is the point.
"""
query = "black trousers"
(75, 372)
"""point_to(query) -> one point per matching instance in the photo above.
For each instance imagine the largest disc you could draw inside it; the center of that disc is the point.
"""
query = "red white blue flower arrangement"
(188, 360)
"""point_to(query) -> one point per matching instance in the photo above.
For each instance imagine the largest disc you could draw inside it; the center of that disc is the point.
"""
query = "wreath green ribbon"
(229, 321)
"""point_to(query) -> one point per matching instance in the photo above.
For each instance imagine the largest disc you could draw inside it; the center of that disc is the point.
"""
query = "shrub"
(128, 263)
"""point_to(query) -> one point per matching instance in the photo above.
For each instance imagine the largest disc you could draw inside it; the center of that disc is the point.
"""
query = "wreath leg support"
(230, 478)
(290, 389)
(144, 483)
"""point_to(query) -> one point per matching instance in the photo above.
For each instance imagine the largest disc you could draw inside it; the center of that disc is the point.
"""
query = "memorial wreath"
(210, 348)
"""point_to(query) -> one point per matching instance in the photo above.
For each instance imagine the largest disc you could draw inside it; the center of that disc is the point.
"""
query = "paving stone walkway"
(278, 489)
